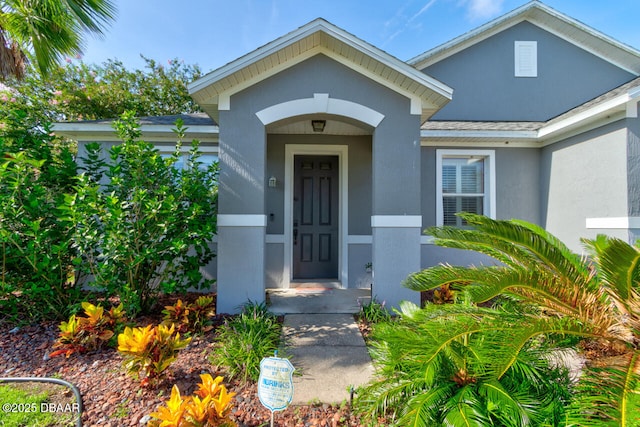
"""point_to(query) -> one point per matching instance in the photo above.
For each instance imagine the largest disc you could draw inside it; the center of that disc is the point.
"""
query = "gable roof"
(213, 91)
(547, 18)
(619, 102)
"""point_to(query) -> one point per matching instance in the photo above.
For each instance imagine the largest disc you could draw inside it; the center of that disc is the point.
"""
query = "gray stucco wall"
(485, 87)
(517, 196)
(517, 184)
(393, 151)
(584, 177)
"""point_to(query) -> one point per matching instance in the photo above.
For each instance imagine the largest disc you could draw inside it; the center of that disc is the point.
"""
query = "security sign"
(275, 385)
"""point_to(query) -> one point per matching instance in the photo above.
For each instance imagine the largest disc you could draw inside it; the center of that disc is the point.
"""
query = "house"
(335, 155)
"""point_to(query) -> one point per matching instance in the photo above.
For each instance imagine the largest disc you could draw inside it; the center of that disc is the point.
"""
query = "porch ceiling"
(213, 91)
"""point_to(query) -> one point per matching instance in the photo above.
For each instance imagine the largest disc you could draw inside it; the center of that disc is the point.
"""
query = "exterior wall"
(517, 196)
(633, 175)
(485, 88)
(395, 147)
(359, 188)
(584, 177)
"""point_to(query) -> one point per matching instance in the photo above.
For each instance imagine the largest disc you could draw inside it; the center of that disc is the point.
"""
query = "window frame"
(489, 203)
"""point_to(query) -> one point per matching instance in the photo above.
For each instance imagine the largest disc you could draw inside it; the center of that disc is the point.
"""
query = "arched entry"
(315, 199)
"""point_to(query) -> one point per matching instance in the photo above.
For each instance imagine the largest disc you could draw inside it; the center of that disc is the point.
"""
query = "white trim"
(623, 222)
(342, 151)
(242, 220)
(274, 238)
(320, 103)
(399, 221)
(360, 239)
(490, 179)
(427, 240)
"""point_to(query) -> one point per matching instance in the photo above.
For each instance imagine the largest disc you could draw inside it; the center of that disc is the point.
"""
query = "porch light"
(318, 125)
(273, 182)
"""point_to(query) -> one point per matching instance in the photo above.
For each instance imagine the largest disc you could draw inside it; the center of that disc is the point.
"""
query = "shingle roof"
(189, 119)
(449, 125)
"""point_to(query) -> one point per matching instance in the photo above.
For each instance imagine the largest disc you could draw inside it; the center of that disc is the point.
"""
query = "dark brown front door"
(315, 217)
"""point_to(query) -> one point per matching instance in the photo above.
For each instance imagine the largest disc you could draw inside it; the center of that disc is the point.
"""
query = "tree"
(44, 31)
(79, 91)
(565, 294)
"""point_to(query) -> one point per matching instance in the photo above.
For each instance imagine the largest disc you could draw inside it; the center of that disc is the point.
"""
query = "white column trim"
(242, 220)
(623, 222)
(396, 220)
(360, 239)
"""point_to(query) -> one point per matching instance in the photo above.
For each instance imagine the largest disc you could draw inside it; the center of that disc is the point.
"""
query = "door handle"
(295, 236)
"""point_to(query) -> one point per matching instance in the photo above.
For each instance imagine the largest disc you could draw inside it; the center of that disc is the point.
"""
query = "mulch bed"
(112, 398)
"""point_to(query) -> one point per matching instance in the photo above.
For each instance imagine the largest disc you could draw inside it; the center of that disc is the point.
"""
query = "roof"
(611, 105)
(154, 128)
(549, 19)
(213, 91)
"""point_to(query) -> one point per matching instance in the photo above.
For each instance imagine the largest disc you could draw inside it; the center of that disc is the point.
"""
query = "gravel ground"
(112, 398)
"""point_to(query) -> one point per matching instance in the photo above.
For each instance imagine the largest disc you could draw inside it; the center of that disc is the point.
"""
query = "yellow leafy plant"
(208, 407)
(89, 332)
(149, 351)
(192, 317)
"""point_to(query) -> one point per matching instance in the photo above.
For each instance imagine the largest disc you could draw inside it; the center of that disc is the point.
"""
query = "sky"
(212, 33)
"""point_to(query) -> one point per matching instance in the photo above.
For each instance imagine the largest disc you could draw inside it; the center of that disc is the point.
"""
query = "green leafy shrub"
(37, 275)
(374, 312)
(95, 329)
(194, 317)
(244, 340)
(147, 229)
(435, 370)
(149, 351)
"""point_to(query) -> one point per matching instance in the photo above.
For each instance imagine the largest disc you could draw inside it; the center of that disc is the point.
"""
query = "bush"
(374, 312)
(209, 406)
(245, 340)
(147, 230)
(37, 275)
(96, 328)
(194, 317)
(149, 351)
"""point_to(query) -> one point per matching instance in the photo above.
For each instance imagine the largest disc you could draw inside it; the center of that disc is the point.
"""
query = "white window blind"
(463, 188)
(526, 59)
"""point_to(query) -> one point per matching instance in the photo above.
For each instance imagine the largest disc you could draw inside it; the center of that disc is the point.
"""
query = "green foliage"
(146, 228)
(243, 341)
(564, 295)
(435, 367)
(44, 31)
(374, 312)
(89, 332)
(149, 351)
(80, 91)
(37, 256)
(192, 318)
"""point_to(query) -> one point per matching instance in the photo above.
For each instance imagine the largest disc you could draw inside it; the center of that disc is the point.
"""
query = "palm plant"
(591, 297)
(46, 30)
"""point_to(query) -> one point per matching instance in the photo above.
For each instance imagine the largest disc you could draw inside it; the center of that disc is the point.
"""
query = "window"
(526, 59)
(465, 183)
(205, 158)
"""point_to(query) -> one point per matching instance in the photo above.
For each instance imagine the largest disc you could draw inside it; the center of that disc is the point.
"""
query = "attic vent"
(526, 59)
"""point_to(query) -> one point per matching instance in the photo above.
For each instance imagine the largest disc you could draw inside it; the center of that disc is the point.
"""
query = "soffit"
(543, 16)
(319, 37)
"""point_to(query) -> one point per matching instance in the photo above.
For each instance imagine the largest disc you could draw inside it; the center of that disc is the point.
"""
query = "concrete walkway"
(329, 353)
(322, 340)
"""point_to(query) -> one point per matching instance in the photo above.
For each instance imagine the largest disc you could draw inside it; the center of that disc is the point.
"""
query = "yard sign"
(275, 385)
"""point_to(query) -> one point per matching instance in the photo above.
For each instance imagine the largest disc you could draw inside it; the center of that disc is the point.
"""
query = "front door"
(315, 217)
